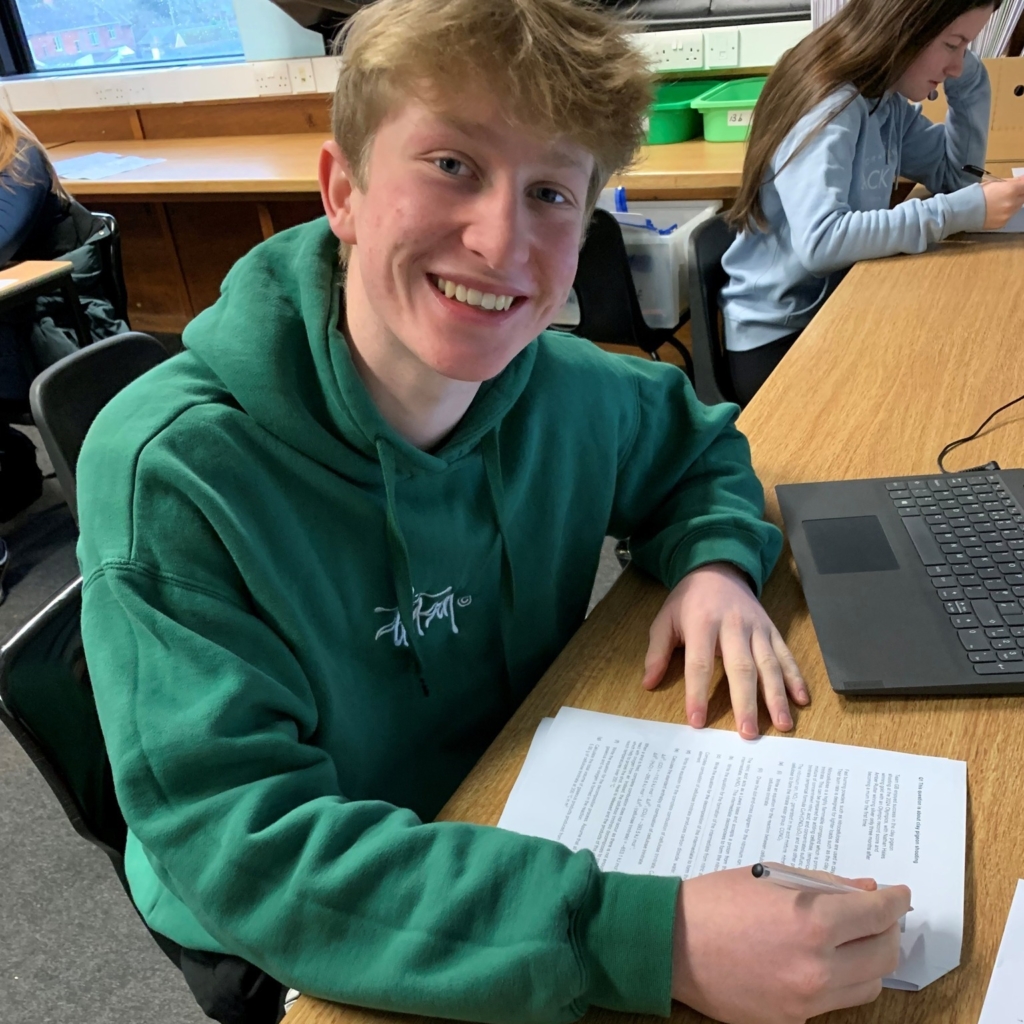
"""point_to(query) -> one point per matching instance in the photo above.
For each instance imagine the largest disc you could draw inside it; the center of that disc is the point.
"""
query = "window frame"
(15, 53)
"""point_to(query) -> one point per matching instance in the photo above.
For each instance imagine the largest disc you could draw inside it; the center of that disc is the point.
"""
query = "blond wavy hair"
(13, 134)
(562, 68)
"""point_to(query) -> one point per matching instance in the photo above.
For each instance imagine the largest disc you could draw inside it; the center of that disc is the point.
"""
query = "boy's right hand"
(749, 952)
(1003, 199)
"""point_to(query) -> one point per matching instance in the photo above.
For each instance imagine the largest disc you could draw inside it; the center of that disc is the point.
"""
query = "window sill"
(201, 83)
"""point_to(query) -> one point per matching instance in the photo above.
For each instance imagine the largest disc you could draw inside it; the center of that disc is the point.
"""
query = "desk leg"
(74, 304)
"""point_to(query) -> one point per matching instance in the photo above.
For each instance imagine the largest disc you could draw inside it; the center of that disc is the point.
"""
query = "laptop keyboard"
(969, 532)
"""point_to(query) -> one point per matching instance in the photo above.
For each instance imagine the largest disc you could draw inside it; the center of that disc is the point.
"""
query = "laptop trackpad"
(852, 544)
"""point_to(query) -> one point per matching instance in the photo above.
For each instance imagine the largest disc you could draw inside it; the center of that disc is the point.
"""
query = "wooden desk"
(909, 353)
(280, 165)
(244, 165)
(20, 277)
(186, 220)
(686, 170)
(25, 280)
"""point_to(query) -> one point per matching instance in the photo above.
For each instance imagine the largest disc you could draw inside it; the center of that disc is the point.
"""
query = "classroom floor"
(72, 949)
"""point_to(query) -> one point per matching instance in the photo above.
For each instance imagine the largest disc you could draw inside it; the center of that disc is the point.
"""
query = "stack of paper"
(662, 799)
(1004, 1001)
(822, 10)
(95, 166)
(992, 41)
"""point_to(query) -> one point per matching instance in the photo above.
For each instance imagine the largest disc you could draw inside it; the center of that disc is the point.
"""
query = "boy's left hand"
(713, 609)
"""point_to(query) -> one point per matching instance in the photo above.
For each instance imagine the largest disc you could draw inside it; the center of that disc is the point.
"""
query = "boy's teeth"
(473, 297)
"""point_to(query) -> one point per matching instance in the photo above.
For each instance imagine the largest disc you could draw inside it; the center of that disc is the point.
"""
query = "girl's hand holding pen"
(1003, 200)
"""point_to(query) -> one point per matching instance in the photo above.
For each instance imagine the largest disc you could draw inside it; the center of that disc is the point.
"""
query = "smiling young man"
(330, 548)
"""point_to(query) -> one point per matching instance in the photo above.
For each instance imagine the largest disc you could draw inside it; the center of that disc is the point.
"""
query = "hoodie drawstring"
(400, 559)
(399, 551)
(492, 467)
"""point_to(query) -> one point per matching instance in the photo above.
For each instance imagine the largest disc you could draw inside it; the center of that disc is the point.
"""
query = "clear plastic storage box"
(658, 262)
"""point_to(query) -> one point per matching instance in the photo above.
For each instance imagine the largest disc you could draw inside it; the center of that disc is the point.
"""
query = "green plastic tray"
(671, 117)
(727, 110)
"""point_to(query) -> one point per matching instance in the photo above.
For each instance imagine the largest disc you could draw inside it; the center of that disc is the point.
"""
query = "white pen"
(795, 878)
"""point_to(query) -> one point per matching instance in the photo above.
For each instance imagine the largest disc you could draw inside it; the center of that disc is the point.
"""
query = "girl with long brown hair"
(834, 129)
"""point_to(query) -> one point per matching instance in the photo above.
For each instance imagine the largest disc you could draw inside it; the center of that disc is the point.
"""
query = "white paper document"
(1004, 1000)
(95, 166)
(663, 799)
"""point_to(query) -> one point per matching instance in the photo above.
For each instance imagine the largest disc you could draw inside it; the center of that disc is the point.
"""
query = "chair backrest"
(66, 397)
(610, 312)
(108, 242)
(708, 243)
(47, 704)
(609, 308)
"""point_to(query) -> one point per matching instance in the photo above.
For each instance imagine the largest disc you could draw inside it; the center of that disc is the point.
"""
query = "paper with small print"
(1004, 1000)
(95, 166)
(664, 799)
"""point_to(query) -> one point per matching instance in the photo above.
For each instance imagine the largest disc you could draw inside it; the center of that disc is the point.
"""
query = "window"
(104, 33)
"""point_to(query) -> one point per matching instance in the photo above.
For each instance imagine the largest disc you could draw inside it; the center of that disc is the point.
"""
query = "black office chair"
(107, 237)
(712, 380)
(609, 308)
(66, 397)
(46, 699)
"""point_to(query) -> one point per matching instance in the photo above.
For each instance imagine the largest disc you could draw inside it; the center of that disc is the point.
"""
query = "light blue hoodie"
(829, 206)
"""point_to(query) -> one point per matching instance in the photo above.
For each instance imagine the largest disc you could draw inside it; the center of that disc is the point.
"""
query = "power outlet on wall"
(301, 74)
(111, 96)
(681, 50)
(272, 78)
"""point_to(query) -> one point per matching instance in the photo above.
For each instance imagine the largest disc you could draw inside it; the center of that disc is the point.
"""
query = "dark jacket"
(36, 224)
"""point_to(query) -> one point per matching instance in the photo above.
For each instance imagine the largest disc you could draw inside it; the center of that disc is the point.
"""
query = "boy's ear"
(337, 191)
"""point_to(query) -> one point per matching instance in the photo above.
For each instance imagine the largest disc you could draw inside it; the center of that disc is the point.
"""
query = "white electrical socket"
(111, 95)
(681, 50)
(722, 47)
(301, 74)
(138, 93)
(272, 78)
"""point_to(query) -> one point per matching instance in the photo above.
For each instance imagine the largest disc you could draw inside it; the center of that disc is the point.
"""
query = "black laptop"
(915, 585)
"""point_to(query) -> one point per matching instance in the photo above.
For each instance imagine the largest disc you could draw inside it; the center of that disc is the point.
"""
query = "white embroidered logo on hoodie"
(426, 608)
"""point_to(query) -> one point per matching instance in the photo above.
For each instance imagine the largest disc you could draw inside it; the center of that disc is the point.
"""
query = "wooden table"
(242, 165)
(909, 353)
(281, 165)
(186, 220)
(24, 281)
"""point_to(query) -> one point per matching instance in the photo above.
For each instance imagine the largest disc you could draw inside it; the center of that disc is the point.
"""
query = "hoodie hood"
(273, 339)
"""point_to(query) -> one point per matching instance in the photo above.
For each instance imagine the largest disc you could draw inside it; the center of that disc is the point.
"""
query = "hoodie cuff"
(743, 551)
(967, 208)
(626, 942)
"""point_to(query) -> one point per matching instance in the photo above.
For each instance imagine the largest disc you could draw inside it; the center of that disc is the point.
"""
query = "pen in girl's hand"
(980, 172)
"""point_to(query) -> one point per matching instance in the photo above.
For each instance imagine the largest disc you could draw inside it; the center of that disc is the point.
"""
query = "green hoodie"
(302, 632)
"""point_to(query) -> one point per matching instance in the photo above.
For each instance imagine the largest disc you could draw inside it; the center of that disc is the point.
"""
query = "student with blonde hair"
(330, 548)
(32, 206)
(834, 130)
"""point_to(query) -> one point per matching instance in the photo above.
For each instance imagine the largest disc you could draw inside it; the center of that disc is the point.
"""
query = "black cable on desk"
(963, 440)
